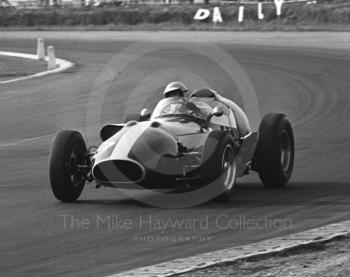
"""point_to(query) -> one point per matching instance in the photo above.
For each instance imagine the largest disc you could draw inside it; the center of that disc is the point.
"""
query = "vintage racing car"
(185, 143)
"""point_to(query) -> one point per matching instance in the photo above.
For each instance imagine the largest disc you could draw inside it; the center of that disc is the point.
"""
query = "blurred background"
(175, 13)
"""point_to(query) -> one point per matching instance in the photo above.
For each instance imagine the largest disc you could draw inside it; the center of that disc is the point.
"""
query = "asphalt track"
(307, 80)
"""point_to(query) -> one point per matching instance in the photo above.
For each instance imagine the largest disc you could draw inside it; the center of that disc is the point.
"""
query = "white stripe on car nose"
(126, 142)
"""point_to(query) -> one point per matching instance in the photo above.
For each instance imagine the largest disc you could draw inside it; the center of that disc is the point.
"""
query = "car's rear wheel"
(219, 166)
(67, 167)
(274, 155)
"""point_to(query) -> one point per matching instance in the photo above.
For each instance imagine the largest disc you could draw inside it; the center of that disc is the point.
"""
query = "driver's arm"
(190, 105)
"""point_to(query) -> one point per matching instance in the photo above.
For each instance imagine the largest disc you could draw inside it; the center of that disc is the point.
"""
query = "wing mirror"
(145, 114)
(217, 111)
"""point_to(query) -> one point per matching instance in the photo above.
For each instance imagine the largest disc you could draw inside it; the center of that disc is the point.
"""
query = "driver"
(176, 97)
(179, 90)
(175, 89)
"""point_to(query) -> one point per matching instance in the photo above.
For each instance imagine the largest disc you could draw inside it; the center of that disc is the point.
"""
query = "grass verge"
(312, 260)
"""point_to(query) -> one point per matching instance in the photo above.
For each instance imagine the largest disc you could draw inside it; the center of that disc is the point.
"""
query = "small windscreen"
(191, 108)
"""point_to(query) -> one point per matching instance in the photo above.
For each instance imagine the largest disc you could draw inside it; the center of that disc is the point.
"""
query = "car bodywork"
(165, 149)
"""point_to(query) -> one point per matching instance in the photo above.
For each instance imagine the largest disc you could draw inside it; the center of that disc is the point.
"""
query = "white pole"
(51, 62)
(240, 14)
(40, 49)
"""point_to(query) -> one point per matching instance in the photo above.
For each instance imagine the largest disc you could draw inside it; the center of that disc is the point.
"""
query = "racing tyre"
(274, 155)
(68, 151)
(132, 117)
(220, 166)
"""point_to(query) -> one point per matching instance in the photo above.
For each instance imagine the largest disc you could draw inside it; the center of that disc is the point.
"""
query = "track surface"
(13, 67)
(310, 85)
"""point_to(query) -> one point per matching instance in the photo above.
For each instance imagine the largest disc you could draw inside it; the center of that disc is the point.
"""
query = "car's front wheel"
(68, 166)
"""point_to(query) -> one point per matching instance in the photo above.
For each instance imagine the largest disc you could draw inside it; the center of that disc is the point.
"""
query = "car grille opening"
(118, 171)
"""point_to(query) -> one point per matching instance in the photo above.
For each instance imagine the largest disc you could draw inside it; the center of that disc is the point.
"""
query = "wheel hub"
(229, 168)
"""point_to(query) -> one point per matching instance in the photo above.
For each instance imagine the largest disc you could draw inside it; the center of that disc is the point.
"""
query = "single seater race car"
(185, 143)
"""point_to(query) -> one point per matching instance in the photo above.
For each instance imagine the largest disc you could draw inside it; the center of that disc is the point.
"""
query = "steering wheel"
(172, 108)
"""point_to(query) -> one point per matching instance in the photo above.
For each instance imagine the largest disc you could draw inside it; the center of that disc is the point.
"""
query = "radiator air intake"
(118, 171)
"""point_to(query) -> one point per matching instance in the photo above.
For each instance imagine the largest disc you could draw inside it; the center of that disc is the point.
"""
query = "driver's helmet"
(175, 89)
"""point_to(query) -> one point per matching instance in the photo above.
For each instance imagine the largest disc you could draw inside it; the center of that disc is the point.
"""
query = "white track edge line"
(62, 65)
(234, 254)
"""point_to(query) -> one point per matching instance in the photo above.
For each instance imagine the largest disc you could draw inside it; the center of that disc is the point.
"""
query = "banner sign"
(203, 14)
